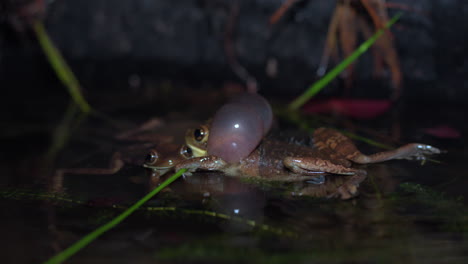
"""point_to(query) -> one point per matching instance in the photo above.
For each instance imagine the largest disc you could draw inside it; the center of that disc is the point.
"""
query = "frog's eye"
(200, 134)
(152, 157)
(186, 152)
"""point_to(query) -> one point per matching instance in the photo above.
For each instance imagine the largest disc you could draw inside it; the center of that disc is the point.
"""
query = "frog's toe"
(423, 151)
(428, 149)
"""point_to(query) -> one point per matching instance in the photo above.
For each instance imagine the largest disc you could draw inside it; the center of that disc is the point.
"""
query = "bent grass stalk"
(83, 242)
(327, 78)
(60, 66)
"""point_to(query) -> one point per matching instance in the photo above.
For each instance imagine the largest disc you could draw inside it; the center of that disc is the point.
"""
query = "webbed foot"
(422, 151)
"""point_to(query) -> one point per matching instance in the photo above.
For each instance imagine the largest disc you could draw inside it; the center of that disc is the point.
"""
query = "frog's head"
(164, 159)
(235, 131)
(197, 139)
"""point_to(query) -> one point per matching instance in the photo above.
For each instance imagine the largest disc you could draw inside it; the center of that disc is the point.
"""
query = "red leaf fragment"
(355, 108)
(443, 131)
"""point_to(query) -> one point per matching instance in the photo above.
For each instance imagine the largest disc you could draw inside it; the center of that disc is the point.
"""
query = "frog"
(154, 142)
(224, 144)
(160, 162)
(160, 157)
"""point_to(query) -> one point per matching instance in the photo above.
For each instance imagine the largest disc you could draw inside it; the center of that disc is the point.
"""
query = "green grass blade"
(62, 132)
(327, 78)
(60, 67)
(366, 140)
(70, 251)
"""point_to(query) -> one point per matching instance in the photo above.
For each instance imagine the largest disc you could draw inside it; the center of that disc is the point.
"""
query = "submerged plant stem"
(64, 129)
(320, 84)
(61, 68)
(70, 251)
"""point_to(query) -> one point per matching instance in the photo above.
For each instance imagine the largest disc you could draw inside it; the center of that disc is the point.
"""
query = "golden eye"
(186, 152)
(152, 157)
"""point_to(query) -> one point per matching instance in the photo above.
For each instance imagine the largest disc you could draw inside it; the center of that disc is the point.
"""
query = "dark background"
(107, 42)
(138, 59)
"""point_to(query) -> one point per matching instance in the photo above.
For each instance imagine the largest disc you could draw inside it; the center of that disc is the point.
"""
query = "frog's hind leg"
(115, 164)
(410, 151)
(333, 142)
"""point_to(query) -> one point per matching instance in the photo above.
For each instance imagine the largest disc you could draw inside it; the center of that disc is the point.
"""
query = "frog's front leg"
(210, 163)
(332, 141)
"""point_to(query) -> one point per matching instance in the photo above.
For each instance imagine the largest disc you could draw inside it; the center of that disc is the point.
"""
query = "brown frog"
(224, 144)
(154, 137)
(161, 162)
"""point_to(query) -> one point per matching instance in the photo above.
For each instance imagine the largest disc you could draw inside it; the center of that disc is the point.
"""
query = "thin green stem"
(366, 140)
(327, 78)
(64, 129)
(83, 242)
(61, 68)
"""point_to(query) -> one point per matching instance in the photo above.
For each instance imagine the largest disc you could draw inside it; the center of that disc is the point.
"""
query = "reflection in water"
(384, 222)
(391, 220)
